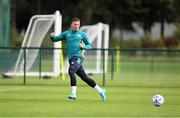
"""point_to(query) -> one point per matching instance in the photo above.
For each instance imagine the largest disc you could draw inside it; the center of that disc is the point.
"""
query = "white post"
(106, 44)
(57, 31)
(99, 43)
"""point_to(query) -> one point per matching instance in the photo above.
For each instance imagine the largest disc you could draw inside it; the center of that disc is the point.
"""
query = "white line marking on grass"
(13, 89)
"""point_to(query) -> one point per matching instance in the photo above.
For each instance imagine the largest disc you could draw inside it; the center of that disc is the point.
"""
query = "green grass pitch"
(128, 95)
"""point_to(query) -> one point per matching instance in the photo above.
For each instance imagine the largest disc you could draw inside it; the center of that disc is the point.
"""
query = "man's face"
(75, 25)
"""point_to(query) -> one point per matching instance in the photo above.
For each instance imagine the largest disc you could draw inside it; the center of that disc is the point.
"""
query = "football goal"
(29, 54)
(99, 38)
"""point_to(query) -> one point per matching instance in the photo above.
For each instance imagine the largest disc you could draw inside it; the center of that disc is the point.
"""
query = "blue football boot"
(72, 96)
(103, 95)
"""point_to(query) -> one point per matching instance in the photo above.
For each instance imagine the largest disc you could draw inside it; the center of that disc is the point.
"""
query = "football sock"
(97, 88)
(74, 89)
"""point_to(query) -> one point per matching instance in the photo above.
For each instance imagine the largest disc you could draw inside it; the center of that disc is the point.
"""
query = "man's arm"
(86, 43)
(57, 38)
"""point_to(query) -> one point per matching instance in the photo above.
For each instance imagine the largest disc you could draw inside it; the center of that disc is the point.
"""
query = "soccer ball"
(158, 100)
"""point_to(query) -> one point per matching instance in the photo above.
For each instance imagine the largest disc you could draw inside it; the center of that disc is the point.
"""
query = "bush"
(171, 42)
(146, 42)
(16, 38)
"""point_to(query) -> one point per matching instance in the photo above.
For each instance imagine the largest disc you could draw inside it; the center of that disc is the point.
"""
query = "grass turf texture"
(128, 95)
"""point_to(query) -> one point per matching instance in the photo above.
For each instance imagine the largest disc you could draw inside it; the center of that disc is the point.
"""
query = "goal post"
(99, 38)
(58, 53)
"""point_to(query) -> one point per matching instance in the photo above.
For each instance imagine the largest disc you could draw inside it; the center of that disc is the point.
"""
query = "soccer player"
(76, 41)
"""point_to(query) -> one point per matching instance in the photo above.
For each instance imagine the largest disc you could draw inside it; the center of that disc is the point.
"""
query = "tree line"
(116, 13)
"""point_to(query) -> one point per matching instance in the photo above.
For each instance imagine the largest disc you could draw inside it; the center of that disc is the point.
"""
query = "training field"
(128, 95)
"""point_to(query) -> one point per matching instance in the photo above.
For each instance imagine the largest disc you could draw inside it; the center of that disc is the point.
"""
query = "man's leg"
(81, 73)
(72, 95)
(72, 70)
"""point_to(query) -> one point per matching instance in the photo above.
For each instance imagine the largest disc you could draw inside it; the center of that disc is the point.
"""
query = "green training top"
(73, 40)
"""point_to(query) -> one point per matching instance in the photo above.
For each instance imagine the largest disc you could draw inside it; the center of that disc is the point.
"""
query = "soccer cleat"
(103, 95)
(72, 96)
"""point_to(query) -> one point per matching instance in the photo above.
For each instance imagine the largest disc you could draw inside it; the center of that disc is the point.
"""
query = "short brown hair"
(75, 19)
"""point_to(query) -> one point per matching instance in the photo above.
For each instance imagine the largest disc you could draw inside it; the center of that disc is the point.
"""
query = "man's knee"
(72, 70)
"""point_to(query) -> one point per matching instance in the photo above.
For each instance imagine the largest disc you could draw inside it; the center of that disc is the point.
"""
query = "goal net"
(30, 55)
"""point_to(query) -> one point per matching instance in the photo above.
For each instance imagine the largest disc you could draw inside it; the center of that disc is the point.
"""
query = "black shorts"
(75, 63)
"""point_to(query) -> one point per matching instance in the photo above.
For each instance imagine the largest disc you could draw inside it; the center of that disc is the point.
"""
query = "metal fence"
(122, 63)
